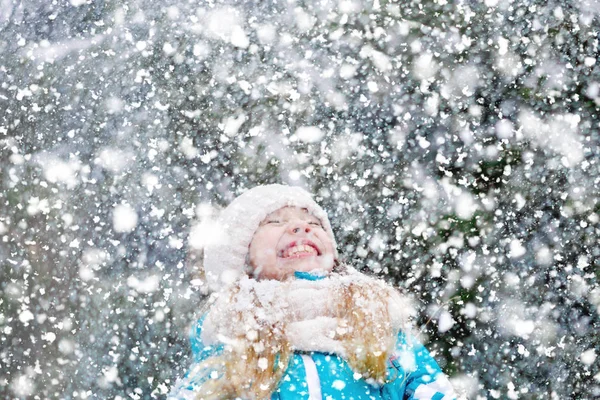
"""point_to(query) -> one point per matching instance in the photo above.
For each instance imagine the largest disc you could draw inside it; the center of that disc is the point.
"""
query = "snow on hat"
(225, 256)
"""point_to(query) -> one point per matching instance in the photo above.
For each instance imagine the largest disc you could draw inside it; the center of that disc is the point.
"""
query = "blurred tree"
(455, 146)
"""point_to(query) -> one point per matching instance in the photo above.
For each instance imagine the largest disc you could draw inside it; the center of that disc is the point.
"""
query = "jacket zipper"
(312, 378)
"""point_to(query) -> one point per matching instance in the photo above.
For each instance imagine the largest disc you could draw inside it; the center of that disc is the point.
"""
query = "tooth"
(297, 249)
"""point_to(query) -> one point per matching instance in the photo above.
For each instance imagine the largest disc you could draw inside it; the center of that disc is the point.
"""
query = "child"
(289, 321)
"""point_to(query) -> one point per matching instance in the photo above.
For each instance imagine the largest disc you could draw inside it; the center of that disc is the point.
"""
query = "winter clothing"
(225, 258)
(318, 368)
(417, 375)
(306, 305)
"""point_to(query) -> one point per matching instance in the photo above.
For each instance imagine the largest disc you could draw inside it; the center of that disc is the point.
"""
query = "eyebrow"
(316, 218)
(309, 214)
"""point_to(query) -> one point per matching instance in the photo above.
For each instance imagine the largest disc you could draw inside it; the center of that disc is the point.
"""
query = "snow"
(504, 129)
(309, 134)
(266, 34)
(23, 386)
(187, 147)
(523, 328)
(239, 38)
(49, 337)
(225, 24)
(425, 66)
(263, 364)
(66, 346)
(517, 249)
(57, 170)
(445, 321)
(465, 206)
(231, 125)
(559, 134)
(338, 384)
(381, 61)
(544, 256)
(470, 310)
(125, 218)
(148, 284)
(25, 316)
(203, 233)
(454, 145)
(588, 357)
(111, 374)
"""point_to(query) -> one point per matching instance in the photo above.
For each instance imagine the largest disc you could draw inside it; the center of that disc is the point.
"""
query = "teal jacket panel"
(412, 371)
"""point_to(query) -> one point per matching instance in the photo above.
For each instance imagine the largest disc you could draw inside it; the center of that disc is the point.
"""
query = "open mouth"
(304, 248)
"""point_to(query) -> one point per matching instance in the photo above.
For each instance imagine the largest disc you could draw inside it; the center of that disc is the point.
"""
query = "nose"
(299, 227)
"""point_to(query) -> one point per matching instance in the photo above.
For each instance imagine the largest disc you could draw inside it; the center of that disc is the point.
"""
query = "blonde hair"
(252, 365)
(366, 331)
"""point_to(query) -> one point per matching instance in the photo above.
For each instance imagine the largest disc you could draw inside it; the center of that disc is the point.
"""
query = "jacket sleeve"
(184, 387)
(425, 379)
(200, 351)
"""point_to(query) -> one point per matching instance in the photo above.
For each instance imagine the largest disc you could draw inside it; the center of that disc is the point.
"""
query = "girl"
(289, 321)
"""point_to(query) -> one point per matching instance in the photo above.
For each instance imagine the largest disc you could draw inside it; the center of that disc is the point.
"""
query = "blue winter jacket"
(417, 375)
(413, 374)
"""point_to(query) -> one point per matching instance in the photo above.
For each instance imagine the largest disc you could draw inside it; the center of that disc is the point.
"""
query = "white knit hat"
(225, 257)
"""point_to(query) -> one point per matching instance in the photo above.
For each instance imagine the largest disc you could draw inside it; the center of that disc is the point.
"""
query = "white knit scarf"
(306, 309)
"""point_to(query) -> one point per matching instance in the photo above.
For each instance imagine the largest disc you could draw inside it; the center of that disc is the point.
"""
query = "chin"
(320, 263)
(314, 266)
(307, 268)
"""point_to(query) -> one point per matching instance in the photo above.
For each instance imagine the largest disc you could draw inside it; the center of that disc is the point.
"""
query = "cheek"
(324, 238)
(264, 245)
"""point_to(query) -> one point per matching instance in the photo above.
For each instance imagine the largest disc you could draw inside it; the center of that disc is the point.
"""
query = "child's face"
(287, 240)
